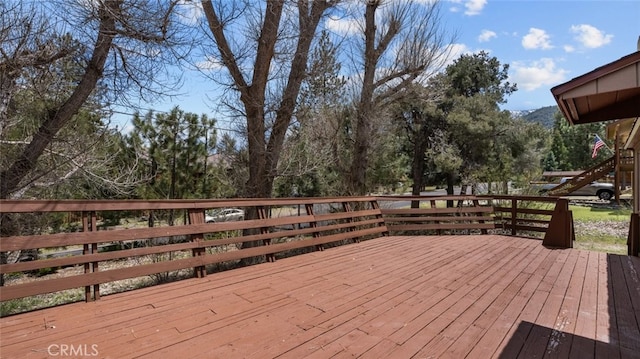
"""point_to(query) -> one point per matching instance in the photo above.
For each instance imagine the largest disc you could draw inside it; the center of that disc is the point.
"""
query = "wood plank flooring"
(391, 297)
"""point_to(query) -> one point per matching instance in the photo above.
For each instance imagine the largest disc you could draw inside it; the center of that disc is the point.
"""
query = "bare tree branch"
(132, 31)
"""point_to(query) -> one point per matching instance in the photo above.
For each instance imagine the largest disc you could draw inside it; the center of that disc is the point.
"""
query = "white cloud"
(569, 48)
(486, 35)
(474, 7)
(455, 51)
(590, 37)
(189, 12)
(536, 39)
(209, 63)
(343, 25)
(536, 74)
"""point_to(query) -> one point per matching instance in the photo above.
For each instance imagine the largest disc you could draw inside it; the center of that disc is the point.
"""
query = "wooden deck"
(392, 297)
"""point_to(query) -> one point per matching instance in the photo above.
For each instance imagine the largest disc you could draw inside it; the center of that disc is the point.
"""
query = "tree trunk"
(450, 183)
(264, 153)
(58, 117)
(357, 178)
(417, 171)
(420, 138)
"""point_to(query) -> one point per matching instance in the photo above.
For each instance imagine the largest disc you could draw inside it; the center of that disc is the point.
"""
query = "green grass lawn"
(583, 213)
(601, 229)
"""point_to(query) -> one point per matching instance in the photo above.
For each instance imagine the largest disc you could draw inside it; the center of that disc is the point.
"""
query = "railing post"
(346, 206)
(262, 214)
(560, 231)
(89, 224)
(476, 203)
(309, 208)
(376, 205)
(514, 215)
(196, 216)
(633, 241)
(433, 205)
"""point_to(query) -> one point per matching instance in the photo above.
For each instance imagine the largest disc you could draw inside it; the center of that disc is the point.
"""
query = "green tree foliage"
(229, 169)
(177, 146)
(571, 146)
(544, 116)
(420, 120)
(478, 142)
(403, 41)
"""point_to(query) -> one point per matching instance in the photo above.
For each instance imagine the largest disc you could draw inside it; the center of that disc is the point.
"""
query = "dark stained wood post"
(346, 206)
(433, 205)
(618, 172)
(633, 241)
(89, 224)
(560, 232)
(314, 224)
(262, 214)
(196, 216)
(514, 215)
(476, 203)
(376, 205)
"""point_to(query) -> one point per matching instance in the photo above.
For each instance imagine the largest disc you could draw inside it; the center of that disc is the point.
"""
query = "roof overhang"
(609, 92)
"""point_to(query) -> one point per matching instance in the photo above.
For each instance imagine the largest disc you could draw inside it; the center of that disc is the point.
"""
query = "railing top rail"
(25, 206)
(22, 206)
(427, 197)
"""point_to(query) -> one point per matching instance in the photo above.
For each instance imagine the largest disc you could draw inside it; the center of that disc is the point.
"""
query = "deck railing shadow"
(535, 341)
(618, 335)
(192, 246)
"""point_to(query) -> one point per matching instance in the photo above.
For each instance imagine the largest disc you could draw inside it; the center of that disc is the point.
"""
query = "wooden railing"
(312, 223)
(271, 228)
(433, 215)
(527, 215)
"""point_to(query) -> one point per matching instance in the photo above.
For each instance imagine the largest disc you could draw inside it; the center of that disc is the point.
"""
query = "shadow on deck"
(391, 297)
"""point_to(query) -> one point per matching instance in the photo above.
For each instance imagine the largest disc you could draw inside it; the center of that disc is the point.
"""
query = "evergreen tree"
(572, 145)
(482, 137)
(177, 146)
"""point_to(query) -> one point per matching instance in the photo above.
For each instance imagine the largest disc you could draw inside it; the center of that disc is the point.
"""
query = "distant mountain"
(542, 115)
(521, 113)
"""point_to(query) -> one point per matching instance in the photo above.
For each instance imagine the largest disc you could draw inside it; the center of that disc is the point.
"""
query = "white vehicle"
(224, 215)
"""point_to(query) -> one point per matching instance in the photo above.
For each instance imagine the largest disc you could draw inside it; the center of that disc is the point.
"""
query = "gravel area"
(589, 236)
(611, 228)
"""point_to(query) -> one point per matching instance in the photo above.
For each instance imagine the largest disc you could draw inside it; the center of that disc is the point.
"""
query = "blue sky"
(545, 43)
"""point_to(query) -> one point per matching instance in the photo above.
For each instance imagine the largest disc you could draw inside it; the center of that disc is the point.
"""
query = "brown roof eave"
(618, 109)
(623, 109)
(595, 74)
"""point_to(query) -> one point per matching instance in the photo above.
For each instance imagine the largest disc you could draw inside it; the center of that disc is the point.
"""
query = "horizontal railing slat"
(440, 226)
(521, 227)
(453, 210)
(95, 257)
(547, 212)
(390, 219)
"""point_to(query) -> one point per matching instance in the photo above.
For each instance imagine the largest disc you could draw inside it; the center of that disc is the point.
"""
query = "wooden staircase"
(592, 174)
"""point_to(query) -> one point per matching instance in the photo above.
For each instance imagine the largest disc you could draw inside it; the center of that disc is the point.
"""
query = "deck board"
(395, 296)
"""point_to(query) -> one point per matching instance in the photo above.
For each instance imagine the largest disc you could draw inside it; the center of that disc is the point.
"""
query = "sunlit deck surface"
(391, 297)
